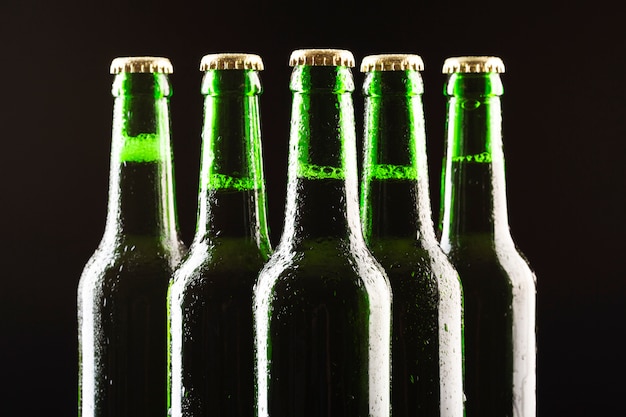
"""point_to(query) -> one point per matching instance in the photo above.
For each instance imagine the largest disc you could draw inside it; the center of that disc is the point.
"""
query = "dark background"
(565, 142)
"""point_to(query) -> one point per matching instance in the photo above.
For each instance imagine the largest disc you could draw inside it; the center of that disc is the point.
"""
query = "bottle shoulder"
(483, 259)
(324, 263)
(220, 262)
(115, 277)
(324, 253)
(415, 265)
(133, 256)
(409, 252)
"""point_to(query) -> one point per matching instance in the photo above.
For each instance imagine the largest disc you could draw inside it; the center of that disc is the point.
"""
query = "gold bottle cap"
(322, 58)
(226, 61)
(392, 62)
(475, 64)
(146, 64)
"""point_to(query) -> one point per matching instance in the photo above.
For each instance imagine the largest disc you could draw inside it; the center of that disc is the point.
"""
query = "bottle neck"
(231, 202)
(395, 201)
(473, 197)
(322, 188)
(141, 187)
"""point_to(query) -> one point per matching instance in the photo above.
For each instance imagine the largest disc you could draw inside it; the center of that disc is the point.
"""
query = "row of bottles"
(360, 310)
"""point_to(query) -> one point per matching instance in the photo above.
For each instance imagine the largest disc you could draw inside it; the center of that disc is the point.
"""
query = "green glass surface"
(121, 294)
(211, 328)
(427, 341)
(322, 303)
(499, 286)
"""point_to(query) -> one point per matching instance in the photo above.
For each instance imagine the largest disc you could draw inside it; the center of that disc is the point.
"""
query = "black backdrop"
(565, 139)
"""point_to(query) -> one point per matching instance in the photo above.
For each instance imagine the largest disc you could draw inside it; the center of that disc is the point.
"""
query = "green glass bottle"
(427, 344)
(322, 302)
(498, 285)
(211, 330)
(122, 319)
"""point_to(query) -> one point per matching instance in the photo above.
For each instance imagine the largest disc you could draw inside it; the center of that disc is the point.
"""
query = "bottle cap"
(226, 61)
(147, 64)
(392, 62)
(475, 64)
(322, 57)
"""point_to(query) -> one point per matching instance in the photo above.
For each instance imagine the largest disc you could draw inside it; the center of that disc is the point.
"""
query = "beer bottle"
(122, 319)
(322, 302)
(498, 285)
(211, 330)
(426, 355)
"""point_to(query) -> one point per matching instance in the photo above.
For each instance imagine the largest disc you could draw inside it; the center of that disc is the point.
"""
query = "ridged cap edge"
(229, 61)
(141, 64)
(473, 64)
(392, 62)
(322, 57)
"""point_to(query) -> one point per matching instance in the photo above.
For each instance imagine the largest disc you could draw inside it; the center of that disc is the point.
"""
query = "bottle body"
(123, 329)
(322, 303)
(427, 341)
(326, 320)
(499, 286)
(499, 306)
(121, 310)
(211, 326)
